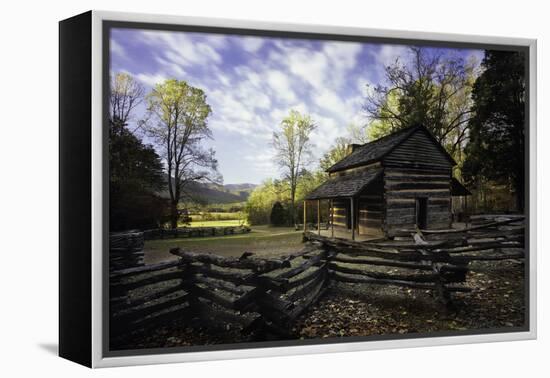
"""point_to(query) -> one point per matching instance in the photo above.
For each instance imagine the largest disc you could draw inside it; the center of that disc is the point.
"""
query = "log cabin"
(401, 181)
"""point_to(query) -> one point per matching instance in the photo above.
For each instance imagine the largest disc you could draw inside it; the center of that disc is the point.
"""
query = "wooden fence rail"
(126, 249)
(264, 296)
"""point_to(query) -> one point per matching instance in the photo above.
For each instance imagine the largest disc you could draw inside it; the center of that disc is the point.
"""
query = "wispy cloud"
(151, 79)
(252, 83)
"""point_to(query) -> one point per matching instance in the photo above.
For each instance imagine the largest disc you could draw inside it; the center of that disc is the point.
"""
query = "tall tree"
(178, 123)
(496, 149)
(136, 176)
(135, 170)
(293, 149)
(126, 94)
(339, 150)
(432, 90)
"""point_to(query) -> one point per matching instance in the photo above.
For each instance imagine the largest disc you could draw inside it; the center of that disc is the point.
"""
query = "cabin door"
(422, 213)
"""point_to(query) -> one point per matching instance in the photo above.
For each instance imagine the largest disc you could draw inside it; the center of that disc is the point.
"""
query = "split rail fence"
(262, 297)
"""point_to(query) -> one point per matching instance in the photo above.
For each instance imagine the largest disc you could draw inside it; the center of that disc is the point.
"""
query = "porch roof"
(345, 186)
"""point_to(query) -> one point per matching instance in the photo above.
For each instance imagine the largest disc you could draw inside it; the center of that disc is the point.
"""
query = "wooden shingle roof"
(345, 186)
(376, 150)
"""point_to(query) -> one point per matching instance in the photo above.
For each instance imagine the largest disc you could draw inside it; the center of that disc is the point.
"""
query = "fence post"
(442, 294)
(187, 284)
(305, 216)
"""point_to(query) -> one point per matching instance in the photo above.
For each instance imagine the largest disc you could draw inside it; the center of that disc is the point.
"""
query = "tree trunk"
(173, 214)
(292, 204)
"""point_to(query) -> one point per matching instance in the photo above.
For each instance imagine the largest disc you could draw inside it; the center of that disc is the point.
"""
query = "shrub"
(279, 216)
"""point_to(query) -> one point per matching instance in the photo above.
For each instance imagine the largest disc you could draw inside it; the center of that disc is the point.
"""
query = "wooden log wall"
(417, 168)
(403, 186)
(370, 213)
(341, 207)
(371, 210)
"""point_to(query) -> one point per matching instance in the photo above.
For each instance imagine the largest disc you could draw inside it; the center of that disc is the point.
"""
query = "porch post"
(352, 219)
(332, 218)
(465, 212)
(318, 217)
(305, 215)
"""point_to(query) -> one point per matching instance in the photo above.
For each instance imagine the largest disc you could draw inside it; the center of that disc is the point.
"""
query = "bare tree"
(178, 124)
(293, 148)
(126, 94)
(432, 90)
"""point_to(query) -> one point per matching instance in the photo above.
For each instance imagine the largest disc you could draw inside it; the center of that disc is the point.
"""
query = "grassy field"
(262, 240)
(215, 216)
(214, 223)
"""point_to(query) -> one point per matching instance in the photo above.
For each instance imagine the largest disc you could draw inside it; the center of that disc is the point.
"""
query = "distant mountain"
(241, 190)
(240, 187)
(212, 193)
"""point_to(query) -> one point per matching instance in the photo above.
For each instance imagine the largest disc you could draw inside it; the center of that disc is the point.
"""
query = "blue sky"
(251, 83)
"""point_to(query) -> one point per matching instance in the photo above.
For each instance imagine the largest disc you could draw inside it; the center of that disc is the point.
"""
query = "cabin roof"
(345, 186)
(376, 150)
(457, 189)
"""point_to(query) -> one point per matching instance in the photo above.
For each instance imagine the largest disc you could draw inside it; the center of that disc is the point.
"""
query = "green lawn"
(262, 240)
(214, 223)
(215, 216)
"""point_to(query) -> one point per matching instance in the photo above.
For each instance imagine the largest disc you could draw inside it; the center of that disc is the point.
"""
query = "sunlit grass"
(262, 240)
(213, 223)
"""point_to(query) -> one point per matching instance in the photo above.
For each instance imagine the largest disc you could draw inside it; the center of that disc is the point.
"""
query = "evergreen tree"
(496, 149)
(279, 215)
(136, 178)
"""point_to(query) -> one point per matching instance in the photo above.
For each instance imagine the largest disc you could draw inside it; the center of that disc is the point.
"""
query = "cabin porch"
(343, 233)
(349, 206)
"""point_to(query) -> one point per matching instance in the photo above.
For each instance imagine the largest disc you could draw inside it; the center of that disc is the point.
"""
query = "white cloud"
(116, 48)
(151, 79)
(247, 74)
(252, 83)
(218, 41)
(319, 68)
(171, 67)
(251, 44)
(280, 85)
(388, 54)
(329, 101)
(252, 96)
(309, 66)
(345, 53)
(343, 59)
(263, 162)
(326, 132)
(181, 49)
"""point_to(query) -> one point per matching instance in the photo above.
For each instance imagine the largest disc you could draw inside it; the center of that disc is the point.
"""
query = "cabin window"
(422, 212)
